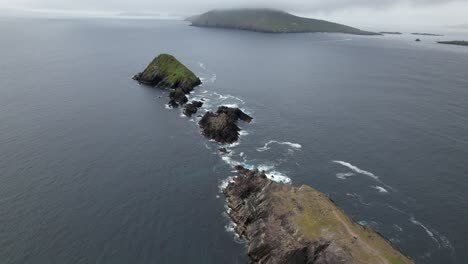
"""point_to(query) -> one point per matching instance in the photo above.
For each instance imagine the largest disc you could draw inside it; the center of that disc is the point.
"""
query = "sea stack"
(284, 224)
(222, 125)
(166, 71)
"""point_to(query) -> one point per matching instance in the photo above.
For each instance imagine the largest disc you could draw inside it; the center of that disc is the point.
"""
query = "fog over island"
(356, 12)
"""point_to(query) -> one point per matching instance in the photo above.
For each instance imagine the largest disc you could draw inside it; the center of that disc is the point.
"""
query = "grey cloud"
(184, 6)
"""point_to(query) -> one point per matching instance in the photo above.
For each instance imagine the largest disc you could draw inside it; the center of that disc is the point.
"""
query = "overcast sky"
(361, 12)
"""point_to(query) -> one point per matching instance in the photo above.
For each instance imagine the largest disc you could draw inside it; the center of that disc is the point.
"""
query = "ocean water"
(95, 169)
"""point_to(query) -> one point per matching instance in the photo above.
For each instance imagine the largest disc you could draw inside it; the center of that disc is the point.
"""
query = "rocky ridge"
(284, 224)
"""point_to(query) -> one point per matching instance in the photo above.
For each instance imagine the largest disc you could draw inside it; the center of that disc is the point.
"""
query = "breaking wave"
(356, 169)
(380, 189)
(343, 176)
(267, 145)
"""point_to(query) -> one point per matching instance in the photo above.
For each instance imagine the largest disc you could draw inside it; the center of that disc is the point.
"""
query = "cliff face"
(166, 71)
(284, 224)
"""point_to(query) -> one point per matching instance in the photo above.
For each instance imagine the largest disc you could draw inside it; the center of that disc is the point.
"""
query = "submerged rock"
(192, 108)
(284, 224)
(222, 125)
(224, 150)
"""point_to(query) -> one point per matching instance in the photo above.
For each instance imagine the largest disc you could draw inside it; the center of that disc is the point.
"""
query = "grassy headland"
(269, 21)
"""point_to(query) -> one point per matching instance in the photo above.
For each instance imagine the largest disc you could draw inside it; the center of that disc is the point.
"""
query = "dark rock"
(224, 150)
(234, 113)
(417, 40)
(222, 126)
(177, 98)
(192, 108)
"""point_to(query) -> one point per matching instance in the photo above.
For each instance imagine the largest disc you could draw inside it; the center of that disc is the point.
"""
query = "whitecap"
(356, 169)
(243, 133)
(231, 105)
(267, 145)
(344, 176)
(399, 228)
(230, 161)
(428, 231)
(279, 177)
(167, 106)
(225, 183)
(380, 189)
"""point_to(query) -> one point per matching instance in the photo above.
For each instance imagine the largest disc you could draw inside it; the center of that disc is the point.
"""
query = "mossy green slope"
(166, 71)
(269, 21)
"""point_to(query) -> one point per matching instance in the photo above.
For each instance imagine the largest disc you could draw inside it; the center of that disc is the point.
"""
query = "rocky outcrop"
(284, 224)
(192, 108)
(222, 125)
(167, 72)
(177, 97)
(224, 151)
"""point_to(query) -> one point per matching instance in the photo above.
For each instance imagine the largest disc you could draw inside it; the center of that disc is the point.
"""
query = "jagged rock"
(284, 224)
(224, 150)
(234, 113)
(177, 98)
(192, 108)
(222, 125)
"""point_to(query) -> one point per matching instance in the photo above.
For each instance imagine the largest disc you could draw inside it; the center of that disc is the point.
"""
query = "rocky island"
(167, 72)
(269, 21)
(427, 34)
(281, 224)
(222, 125)
(284, 224)
(391, 33)
(454, 42)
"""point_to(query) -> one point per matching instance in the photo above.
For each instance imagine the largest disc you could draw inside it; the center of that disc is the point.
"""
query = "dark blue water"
(95, 169)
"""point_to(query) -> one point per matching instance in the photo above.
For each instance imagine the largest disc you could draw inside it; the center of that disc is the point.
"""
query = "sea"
(95, 168)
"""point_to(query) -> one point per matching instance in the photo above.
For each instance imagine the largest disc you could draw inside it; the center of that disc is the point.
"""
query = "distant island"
(269, 21)
(454, 42)
(427, 34)
(391, 33)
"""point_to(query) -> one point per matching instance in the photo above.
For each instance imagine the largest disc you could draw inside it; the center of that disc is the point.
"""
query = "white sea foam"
(267, 145)
(428, 231)
(167, 106)
(356, 169)
(228, 96)
(380, 189)
(399, 228)
(278, 177)
(230, 161)
(241, 154)
(202, 65)
(343, 176)
(231, 105)
(213, 78)
(243, 133)
(231, 227)
(225, 183)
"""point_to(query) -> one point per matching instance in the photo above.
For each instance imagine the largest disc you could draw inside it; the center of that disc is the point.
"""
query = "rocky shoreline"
(284, 224)
(281, 223)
